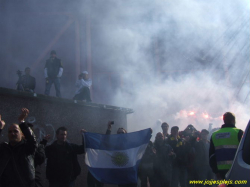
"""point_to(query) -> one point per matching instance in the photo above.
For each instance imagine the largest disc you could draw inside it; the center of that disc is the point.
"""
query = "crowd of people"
(53, 71)
(22, 156)
(172, 160)
(175, 159)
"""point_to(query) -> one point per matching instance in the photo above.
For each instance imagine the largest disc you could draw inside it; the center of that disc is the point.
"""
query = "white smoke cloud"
(176, 57)
(171, 57)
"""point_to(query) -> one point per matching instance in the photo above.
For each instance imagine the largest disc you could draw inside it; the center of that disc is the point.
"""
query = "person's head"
(61, 135)
(27, 71)
(204, 134)
(190, 129)
(229, 118)
(53, 54)
(159, 137)
(85, 75)
(15, 134)
(121, 131)
(174, 131)
(165, 127)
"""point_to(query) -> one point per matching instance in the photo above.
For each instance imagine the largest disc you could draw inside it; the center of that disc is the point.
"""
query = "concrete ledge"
(51, 99)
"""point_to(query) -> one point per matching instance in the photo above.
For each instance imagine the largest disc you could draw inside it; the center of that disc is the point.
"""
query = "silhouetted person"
(202, 168)
(223, 146)
(120, 130)
(164, 160)
(39, 160)
(165, 128)
(190, 135)
(26, 82)
(53, 71)
(17, 156)
(146, 168)
(179, 175)
(62, 164)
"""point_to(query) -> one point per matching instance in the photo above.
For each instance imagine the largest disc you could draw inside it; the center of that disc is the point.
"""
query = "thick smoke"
(177, 57)
(166, 58)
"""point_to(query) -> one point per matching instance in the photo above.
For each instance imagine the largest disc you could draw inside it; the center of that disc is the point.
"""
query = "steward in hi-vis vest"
(223, 146)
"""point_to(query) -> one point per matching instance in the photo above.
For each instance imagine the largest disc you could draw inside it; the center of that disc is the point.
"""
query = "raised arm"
(2, 124)
(29, 135)
(79, 149)
(109, 127)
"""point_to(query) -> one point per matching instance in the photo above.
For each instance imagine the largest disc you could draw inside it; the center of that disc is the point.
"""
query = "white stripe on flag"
(96, 158)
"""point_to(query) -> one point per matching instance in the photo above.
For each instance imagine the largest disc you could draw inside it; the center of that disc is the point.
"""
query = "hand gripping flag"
(114, 159)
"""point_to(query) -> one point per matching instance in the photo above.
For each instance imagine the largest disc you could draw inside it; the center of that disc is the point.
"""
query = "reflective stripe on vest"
(226, 147)
(226, 143)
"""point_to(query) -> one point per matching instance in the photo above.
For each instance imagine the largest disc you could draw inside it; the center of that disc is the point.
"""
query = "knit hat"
(85, 72)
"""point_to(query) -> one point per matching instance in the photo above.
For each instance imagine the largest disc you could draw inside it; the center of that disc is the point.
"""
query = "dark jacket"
(108, 131)
(201, 154)
(67, 168)
(180, 150)
(38, 161)
(53, 67)
(39, 155)
(163, 161)
(20, 158)
(149, 154)
(148, 158)
(212, 156)
(26, 83)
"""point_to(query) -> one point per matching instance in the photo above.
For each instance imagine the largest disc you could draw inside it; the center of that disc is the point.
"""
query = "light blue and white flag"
(114, 159)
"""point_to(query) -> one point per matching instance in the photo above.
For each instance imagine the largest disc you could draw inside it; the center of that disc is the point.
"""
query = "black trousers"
(83, 95)
(93, 182)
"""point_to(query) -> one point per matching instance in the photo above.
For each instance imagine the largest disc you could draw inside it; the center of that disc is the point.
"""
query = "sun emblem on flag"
(119, 159)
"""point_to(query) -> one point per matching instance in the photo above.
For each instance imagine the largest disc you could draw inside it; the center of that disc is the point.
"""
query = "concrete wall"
(49, 113)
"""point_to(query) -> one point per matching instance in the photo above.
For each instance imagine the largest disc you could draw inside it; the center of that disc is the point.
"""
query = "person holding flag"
(114, 159)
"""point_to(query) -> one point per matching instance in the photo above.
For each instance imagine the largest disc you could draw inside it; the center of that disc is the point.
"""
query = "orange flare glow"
(191, 113)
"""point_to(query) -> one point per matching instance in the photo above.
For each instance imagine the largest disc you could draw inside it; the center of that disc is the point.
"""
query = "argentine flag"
(114, 158)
